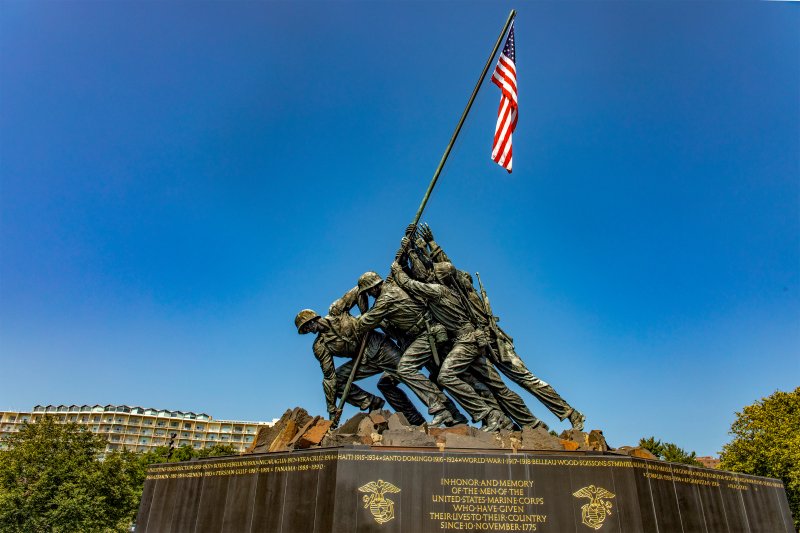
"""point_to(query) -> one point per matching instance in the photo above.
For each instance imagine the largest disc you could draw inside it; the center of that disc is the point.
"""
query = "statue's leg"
(475, 382)
(399, 400)
(510, 402)
(357, 396)
(450, 405)
(514, 368)
(456, 363)
(413, 359)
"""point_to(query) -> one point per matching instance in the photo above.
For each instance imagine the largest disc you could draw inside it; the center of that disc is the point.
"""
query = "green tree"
(161, 454)
(52, 480)
(766, 442)
(668, 451)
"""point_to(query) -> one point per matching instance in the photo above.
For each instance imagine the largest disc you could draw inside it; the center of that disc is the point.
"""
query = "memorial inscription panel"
(422, 490)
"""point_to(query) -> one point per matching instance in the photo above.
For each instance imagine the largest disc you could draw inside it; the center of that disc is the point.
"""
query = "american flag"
(505, 77)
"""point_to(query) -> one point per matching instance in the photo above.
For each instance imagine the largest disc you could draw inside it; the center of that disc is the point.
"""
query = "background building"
(708, 461)
(140, 428)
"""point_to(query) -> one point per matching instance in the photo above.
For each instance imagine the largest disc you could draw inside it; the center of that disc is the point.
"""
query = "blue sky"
(178, 179)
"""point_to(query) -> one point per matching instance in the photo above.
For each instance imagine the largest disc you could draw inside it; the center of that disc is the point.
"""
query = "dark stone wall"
(362, 489)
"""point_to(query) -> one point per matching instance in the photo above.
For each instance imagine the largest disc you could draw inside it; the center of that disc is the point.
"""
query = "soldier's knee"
(447, 378)
(406, 370)
(387, 383)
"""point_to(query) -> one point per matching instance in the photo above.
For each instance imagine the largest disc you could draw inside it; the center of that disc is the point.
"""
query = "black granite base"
(349, 490)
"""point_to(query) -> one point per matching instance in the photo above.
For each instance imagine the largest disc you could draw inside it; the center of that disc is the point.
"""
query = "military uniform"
(506, 359)
(405, 317)
(340, 339)
(447, 309)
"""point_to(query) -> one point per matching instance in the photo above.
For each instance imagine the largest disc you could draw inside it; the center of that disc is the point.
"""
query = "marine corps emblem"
(594, 513)
(382, 508)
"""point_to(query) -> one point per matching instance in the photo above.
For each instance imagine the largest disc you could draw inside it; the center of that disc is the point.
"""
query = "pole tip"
(513, 13)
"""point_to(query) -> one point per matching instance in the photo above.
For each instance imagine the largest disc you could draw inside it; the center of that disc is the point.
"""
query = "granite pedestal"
(362, 489)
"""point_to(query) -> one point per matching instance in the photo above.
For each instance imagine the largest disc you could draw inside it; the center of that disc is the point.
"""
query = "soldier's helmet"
(443, 270)
(368, 280)
(304, 317)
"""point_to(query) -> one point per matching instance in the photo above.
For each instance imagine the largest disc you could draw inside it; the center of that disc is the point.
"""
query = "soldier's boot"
(496, 420)
(577, 419)
(442, 418)
(457, 421)
(458, 418)
(376, 403)
(538, 424)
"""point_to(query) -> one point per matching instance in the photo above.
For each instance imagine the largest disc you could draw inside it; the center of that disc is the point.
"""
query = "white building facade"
(140, 428)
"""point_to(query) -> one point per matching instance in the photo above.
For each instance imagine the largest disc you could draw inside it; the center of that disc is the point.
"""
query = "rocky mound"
(297, 430)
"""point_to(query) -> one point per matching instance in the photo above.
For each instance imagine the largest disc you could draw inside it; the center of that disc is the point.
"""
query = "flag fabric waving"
(505, 77)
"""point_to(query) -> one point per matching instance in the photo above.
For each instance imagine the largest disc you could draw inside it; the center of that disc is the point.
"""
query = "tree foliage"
(766, 442)
(52, 480)
(669, 451)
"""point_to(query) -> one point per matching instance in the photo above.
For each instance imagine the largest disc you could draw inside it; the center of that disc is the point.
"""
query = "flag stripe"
(505, 77)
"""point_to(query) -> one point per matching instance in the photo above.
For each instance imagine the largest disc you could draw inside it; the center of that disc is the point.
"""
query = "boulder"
(280, 433)
(301, 431)
(475, 439)
(351, 425)
(575, 436)
(313, 435)
(397, 421)
(509, 440)
(569, 445)
(539, 439)
(281, 442)
(380, 419)
(333, 440)
(438, 433)
(636, 451)
(596, 441)
(407, 437)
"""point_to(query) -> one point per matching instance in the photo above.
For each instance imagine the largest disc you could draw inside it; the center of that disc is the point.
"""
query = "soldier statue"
(336, 337)
(396, 312)
(447, 309)
(501, 346)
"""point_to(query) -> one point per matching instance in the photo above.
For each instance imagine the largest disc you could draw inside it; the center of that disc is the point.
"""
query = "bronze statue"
(447, 309)
(432, 317)
(501, 346)
(395, 311)
(336, 337)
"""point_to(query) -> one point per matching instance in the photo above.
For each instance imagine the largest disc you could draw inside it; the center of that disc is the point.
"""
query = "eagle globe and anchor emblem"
(381, 507)
(595, 512)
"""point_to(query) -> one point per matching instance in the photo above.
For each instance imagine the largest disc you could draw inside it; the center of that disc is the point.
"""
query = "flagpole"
(432, 184)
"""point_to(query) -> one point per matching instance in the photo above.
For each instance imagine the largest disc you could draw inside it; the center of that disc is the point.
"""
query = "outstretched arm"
(430, 291)
(437, 254)
(345, 303)
(419, 268)
(372, 318)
